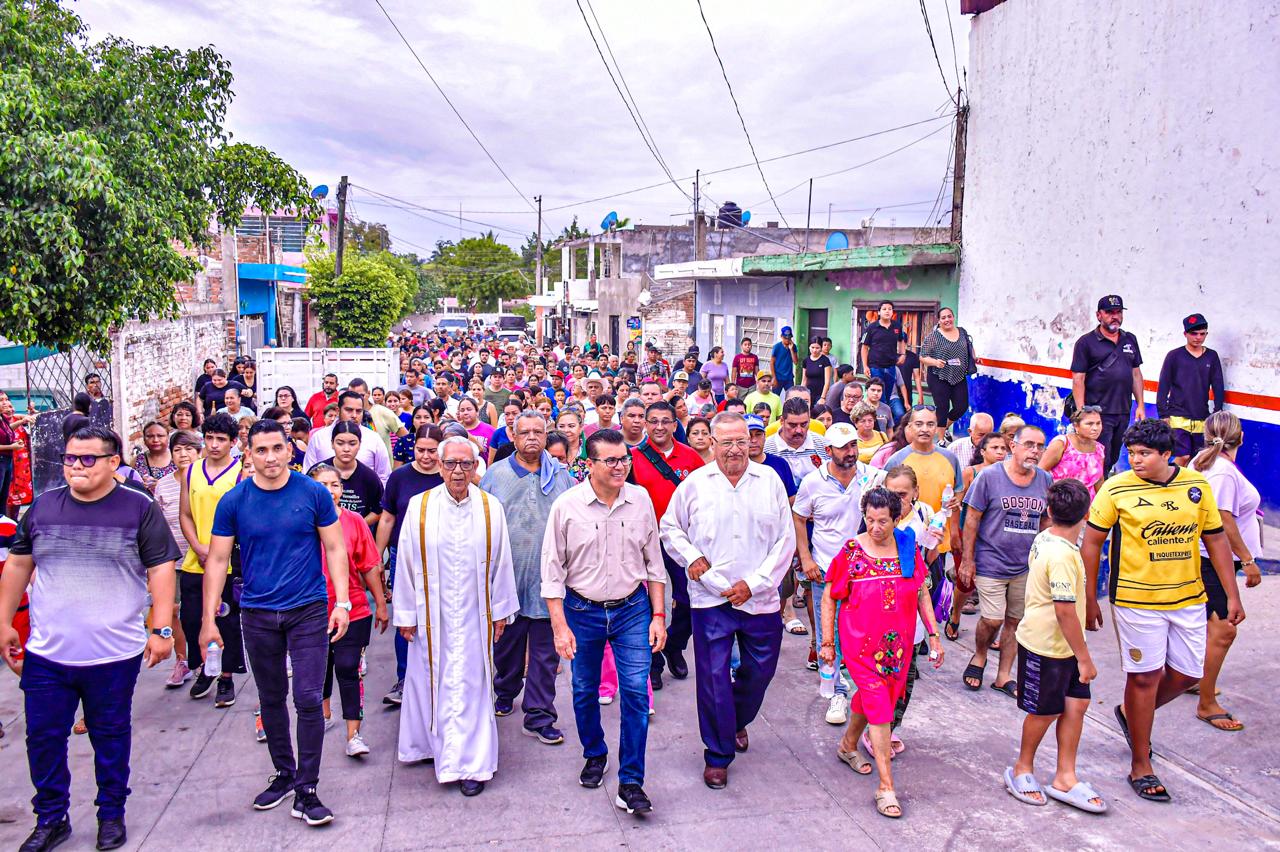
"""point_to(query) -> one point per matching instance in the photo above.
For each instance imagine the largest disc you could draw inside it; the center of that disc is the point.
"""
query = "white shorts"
(1150, 639)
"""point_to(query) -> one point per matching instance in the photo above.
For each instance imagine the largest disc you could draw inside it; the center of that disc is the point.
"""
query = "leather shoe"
(715, 777)
(111, 833)
(47, 836)
(679, 668)
(655, 680)
(471, 788)
(740, 741)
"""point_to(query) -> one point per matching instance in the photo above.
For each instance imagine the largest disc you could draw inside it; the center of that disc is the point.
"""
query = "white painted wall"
(1128, 148)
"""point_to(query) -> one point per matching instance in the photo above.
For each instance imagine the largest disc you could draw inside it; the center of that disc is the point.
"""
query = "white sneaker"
(288, 665)
(356, 746)
(329, 722)
(838, 710)
(364, 665)
(605, 700)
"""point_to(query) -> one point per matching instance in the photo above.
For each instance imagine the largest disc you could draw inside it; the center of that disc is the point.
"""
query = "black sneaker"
(632, 799)
(548, 734)
(655, 680)
(593, 773)
(111, 834)
(226, 693)
(307, 807)
(47, 836)
(279, 790)
(203, 685)
(503, 707)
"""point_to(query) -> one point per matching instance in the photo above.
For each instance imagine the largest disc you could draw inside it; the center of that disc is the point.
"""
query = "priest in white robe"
(454, 536)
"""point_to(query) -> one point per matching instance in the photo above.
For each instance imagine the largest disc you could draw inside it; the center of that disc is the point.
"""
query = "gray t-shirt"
(1010, 520)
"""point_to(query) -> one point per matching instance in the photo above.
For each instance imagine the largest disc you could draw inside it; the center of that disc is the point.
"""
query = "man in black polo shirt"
(1105, 372)
(884, 347)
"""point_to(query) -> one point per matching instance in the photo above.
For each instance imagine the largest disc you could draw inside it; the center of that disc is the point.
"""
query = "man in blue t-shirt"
(281, 520)
(785, 359)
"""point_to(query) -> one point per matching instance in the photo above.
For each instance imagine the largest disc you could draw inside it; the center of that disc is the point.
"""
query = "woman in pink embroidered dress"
(880, 599)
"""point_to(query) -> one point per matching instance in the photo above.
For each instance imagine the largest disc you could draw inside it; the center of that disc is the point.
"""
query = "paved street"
(196, 769)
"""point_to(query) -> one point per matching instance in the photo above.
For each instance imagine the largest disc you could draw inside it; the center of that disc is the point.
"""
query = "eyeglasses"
(661, 422)
(613, 462)
(1030, 447)
(923, 407)
(737, 443)
(1090, 409)
(454, 464)
(85, 459)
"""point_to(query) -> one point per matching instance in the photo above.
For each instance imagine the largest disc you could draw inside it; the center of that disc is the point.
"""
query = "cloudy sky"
(330, 86)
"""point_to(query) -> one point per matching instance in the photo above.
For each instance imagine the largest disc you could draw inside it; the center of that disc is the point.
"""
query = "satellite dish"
(746, 216)
(321, 191)
(838, 240)
(609, 221)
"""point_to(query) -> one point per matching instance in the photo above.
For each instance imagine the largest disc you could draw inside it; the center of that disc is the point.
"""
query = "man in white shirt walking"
(372, 452)
(729, 524)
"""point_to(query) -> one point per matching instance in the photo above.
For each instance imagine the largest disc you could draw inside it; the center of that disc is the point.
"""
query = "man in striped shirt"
(803, 451)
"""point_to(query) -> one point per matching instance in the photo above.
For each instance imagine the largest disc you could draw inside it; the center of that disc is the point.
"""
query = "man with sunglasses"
(599, 553)
(1106, 371)
(99, 548)
(1190, 373)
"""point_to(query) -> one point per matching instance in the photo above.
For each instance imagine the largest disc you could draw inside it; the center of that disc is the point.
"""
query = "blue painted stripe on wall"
(1258, 458)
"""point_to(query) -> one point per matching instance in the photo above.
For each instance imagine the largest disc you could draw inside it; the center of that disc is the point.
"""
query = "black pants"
(952, 401)
(302, 633)
(191, 588)
(539, 679)
(344, 661)
(1113, 429)
(680, 626)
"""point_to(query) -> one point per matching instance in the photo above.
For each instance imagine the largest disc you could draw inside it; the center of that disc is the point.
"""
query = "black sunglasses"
(85, 459)
(923, 407)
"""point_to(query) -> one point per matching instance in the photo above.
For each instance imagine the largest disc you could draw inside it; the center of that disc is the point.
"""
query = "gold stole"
(426, 590)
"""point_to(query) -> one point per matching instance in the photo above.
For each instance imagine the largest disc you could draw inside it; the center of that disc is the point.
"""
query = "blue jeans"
(52, 692)
(889, 375)
(817, 589)
(626, 628)
(401, 644)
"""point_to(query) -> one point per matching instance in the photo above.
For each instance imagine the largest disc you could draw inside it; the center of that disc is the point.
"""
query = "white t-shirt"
(835, 510)
(1237, 495)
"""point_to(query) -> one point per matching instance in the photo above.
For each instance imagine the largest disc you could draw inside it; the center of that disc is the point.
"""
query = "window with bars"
(759, 329)
(287, 233)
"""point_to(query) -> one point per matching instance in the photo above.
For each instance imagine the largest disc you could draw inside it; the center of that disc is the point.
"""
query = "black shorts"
(1045, 683)
(1217, 596)
(1186, 443)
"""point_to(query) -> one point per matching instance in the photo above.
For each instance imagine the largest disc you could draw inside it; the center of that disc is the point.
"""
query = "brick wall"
(669, 318)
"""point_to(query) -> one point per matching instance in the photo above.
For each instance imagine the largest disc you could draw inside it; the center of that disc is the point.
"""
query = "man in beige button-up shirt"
(600, 549)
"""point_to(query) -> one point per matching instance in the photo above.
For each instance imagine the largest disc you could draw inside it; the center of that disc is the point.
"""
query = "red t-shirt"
(316, 405)
(684, 460)
(362, 557)
(746, 365)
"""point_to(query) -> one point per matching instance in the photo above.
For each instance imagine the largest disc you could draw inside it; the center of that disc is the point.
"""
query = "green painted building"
(836, 292)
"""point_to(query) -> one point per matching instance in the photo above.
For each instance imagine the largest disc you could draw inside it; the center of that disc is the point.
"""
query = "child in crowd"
(1054, 666)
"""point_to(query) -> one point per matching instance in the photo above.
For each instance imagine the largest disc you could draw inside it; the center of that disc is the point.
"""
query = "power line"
(647, 137)
(432, 78)
(955, 62)
(449, 213)
(738, 110)
(929, 30)
(946, 175)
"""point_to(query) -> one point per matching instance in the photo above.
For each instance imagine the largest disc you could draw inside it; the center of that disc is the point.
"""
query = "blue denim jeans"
(401, 644)
(817, 589)
(52, 692)
(889, 375)
(626, 628)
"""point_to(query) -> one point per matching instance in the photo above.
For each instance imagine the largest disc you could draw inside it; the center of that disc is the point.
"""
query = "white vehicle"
(519, 338)
(453, 323)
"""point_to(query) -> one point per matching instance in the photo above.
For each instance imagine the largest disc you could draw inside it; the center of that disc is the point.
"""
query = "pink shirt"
(362, 557)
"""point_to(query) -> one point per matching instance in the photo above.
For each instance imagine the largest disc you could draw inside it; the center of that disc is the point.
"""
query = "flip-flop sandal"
(856, 761)
(1145, 788)
(1079, 796)
(870, 749)
(796, 627)
(898, 746)
(951, 631)
(1217, 717)
(973, 672)
(1022, 786)
(1195, 690)
(1118, 710)
(1010, 688)
(886, 799)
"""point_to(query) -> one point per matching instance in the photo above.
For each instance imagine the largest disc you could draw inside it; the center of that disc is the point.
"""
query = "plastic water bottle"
(827, 680)
(947, 493)
(213, 660)
(224, 609)
(933, 534)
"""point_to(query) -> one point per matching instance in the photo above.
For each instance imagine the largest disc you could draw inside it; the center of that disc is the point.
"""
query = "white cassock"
(448, 688)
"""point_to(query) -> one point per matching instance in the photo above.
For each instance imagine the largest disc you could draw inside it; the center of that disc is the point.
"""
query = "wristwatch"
(163, 632)
(343, 605)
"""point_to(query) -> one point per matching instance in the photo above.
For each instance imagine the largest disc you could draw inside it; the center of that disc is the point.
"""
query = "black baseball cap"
(1195, 322)
(1111, 303)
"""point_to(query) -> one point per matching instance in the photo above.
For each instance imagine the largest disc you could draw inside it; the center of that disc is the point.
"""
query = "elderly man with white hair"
(455, 592)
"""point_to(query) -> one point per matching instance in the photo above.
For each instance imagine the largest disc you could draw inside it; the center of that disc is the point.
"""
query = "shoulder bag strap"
(488, 555)
(426, 597)
(659, 463)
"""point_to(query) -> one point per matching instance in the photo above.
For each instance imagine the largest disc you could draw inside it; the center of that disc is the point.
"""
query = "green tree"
(368, 236)
(358, 307)
(550, 253)
(111, 156)
(479, 271)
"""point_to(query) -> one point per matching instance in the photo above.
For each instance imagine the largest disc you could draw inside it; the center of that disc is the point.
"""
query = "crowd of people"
(509, 509)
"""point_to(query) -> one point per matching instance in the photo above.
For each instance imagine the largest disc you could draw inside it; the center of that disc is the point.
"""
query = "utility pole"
(537, 268)
(342, 226)
(808, 215)
(957, 184)
(828, 216)
(699, 225)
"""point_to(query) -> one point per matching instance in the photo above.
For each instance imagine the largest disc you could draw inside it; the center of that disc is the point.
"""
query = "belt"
(613, 604)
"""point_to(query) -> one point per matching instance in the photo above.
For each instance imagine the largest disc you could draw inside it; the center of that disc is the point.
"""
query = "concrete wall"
(738, 297)
(818, 290)
(666, 319)
(1125, 148)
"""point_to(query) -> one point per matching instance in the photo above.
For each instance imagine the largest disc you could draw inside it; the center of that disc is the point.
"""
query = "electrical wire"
(449, 213)
(928, 28)
(955, 62)
(946, 174)
(738, 110)
(432, 78)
